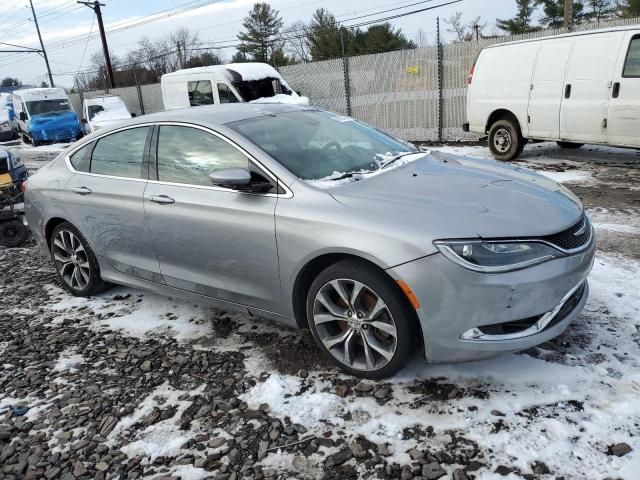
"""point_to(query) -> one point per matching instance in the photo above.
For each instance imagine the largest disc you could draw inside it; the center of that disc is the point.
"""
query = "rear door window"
(189, 155)
(632, 63)
(200, 93)
(120, 154)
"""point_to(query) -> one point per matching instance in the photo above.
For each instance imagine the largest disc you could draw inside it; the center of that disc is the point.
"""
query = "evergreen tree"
(381, 38)
(628, 8)
(598, 9)
(324, 36)
(522, 22)
(554, 13)
(261, 32)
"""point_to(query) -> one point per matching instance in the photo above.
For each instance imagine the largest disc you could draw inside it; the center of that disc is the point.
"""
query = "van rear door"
(585, 100)
(624, 107)
(547, 83)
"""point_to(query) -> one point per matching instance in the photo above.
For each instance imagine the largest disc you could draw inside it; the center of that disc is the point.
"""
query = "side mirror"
(83, 121)
(23, 116)
(133, 115)
(235, 178)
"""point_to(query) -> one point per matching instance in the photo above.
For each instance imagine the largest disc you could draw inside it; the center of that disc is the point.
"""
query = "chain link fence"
(417, 94)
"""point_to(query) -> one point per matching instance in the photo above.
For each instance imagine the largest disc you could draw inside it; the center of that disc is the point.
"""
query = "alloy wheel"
(355, 325)
(502, 140)
(71, 260)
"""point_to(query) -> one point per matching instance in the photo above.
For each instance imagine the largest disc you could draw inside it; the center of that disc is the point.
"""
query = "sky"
(65, 26)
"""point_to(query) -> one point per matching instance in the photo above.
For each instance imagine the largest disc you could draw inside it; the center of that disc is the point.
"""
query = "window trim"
(252, 162)
(67, 157)
(151, 159)
(626, 57)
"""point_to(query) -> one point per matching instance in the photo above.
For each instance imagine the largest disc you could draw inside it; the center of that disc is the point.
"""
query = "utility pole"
(568, 15)
(44, 52)
(95, 6)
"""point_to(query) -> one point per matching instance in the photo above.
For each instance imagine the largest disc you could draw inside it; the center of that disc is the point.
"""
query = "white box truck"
(575, 88)
(231, 83)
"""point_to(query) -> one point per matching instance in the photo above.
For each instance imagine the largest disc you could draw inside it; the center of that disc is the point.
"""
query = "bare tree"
(296, 44)
(456, 26)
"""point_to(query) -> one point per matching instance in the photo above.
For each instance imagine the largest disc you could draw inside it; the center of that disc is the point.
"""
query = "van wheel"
(570, 145)
(505, 140)
(25, 139)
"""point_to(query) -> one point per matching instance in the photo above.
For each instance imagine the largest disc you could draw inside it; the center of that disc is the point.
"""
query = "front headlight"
(496, 257)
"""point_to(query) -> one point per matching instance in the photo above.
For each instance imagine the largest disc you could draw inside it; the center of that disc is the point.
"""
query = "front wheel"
(570, 145)
(505, 140)
(361, 320)
(75, 262)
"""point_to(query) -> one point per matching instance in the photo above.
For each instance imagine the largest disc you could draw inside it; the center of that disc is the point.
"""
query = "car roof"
(220, 114)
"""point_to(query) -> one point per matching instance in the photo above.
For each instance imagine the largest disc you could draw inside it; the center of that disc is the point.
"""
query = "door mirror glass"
(231, 178)
(23, 116)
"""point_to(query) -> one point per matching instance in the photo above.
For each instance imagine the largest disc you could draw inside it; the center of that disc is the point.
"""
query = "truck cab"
(231, 83)
(45, 115)
(103, 110)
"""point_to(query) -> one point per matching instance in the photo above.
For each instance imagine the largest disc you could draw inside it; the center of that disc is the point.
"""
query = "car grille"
(572, 238)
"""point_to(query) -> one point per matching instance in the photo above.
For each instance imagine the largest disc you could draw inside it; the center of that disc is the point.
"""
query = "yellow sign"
(412, 70)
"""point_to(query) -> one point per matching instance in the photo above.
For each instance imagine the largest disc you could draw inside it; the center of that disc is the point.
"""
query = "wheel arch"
(312, 269)
(50, 226)
(502, 114)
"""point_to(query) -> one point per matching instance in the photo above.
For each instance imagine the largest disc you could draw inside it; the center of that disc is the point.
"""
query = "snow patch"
(293, 99)
(68, 360)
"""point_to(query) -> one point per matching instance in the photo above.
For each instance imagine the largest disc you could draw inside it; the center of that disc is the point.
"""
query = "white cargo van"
(103, 110)
(235, 82)
(574, 88)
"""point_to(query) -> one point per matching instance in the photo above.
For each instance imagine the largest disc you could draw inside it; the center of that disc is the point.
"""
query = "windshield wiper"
(396, 158)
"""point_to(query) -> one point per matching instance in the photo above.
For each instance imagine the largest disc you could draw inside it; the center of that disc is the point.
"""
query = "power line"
(86, 44)
(44, 52)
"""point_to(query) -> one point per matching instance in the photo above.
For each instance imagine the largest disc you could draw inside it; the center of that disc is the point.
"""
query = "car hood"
(460, 197)
(54, 120)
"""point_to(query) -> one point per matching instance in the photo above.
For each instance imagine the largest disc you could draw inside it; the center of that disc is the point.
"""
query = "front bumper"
(461, 311)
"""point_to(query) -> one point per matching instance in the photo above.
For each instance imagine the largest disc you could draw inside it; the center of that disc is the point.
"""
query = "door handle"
(81, 190)
(616, 90)
(162, 199)
(567, 91)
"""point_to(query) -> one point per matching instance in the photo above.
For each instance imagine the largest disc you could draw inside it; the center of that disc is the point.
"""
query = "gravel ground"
(131, 384)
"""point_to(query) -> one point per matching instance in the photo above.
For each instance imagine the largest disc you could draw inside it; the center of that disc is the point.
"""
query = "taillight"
(471, 72)
(23, 186)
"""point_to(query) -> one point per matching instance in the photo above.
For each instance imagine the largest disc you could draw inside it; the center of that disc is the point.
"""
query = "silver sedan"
(380, 248)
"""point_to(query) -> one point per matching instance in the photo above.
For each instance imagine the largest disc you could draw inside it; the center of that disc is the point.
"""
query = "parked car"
(232, 83)
(45, 115)
(381, 249)
(11, 164)
(576, 88)
(103, 110)
(6, 118)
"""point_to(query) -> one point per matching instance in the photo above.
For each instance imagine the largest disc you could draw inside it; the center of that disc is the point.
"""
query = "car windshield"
(58, 105)
(317, 145)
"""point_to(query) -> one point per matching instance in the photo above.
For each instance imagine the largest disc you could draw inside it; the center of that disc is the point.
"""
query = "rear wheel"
(505, 140)
(570, 145)
(75, 262)
(12, 233)
(361, 320)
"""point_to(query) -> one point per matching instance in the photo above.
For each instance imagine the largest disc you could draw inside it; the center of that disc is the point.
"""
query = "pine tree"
(599, 9)
(381, 38)
(522, 22)
(554, 13)
(325, 36)
(261, 32)
(629, 8)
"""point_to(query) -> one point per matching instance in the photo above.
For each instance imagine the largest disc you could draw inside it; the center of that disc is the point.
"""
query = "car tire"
(25, 138)
(570, 145)
(75, 262)
(369, 348)
(12, 233)
(505, 140)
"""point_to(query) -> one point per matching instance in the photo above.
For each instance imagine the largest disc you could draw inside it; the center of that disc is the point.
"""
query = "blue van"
(45, 115)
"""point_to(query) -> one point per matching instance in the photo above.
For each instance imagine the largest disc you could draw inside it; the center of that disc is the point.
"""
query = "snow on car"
(103, 110)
